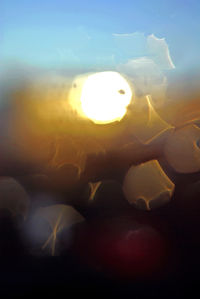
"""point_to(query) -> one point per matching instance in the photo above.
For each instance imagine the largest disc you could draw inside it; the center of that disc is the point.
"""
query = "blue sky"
(79, 33)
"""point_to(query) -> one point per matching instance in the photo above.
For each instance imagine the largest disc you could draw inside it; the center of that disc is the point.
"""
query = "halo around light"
(105, 96)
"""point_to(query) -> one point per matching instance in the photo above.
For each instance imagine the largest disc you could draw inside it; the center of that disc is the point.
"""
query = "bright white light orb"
(105, 97)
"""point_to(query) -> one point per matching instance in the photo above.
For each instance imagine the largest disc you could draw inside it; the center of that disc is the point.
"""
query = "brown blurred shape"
(147, 186)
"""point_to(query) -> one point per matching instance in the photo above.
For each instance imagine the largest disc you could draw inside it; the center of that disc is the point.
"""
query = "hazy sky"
(62, 33)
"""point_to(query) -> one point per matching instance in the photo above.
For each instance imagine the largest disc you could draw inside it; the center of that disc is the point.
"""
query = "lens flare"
(103, 96)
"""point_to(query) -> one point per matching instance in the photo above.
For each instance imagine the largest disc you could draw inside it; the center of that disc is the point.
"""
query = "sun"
(104, 96)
